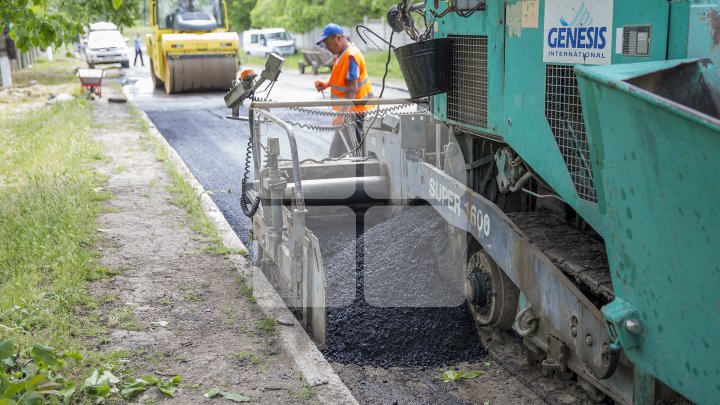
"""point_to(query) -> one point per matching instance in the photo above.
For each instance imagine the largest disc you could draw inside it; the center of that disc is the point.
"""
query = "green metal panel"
(678, 37)
(655, 154)
(694, 30)
(490, 23)
(516, 78)
(528, 131)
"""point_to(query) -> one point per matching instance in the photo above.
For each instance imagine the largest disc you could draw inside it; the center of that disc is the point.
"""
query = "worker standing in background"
(138, 50)
(348, 80)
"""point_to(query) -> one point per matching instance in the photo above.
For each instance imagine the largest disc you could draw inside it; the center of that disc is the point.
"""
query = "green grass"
(50, 197)
(306, 392)
(375, 61)
(48, 210)
(136, 116)
(240, 355)
(230, 316)
(60, 71)
(254, 358)
(266, 325)
(222, 250)
(246, 290)
(138, 28)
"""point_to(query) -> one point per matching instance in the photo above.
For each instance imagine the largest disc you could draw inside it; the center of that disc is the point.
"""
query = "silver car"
(106, 46)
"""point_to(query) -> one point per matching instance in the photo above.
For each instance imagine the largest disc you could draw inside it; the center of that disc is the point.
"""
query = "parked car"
(268, 40)
(106, 45)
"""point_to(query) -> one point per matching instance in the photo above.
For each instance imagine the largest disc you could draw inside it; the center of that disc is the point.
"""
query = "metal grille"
(467, 98)
(565, 116)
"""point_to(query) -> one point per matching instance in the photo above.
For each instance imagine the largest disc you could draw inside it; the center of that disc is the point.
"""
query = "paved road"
(214, 147)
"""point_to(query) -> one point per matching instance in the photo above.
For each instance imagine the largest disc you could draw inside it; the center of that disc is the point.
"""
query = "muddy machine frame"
(576, 148)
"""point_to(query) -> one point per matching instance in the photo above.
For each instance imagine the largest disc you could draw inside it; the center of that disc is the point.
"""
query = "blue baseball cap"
(330, 30)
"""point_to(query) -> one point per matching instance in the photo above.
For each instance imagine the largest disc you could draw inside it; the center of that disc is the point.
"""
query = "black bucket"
(425, 66)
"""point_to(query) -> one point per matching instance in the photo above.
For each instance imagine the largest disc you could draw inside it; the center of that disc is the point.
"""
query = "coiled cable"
(248, 211)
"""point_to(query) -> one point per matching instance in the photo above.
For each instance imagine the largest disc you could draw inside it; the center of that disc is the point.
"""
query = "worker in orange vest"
(348, 80)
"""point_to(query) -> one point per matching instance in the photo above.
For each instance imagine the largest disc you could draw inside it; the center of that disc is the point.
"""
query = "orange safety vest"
(338, 79)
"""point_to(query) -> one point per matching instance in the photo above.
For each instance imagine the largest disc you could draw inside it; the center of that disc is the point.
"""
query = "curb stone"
(327, 385)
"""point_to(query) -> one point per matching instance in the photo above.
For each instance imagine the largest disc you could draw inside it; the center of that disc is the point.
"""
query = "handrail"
(332, 103)
(297, 192)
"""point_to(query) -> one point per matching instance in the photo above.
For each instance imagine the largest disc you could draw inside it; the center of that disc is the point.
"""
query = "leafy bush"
(34, 378)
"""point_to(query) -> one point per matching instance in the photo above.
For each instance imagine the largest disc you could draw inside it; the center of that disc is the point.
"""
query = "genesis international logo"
(584, 38)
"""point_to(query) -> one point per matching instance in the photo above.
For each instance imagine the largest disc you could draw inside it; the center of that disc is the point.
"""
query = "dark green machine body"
(633, 162)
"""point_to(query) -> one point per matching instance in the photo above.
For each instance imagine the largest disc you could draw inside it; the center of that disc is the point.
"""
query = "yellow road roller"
(191, 48)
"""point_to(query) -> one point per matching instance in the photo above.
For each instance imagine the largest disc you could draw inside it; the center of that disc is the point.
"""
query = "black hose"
(249, 211)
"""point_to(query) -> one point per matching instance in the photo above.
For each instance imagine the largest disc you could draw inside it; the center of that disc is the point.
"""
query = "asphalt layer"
(214, 149)
(406, 331)
(404, 306)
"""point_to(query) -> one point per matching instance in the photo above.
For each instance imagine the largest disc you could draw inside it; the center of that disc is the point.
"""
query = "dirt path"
(174, 308)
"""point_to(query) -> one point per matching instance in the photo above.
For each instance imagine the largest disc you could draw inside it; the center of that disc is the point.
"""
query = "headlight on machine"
(176, 46)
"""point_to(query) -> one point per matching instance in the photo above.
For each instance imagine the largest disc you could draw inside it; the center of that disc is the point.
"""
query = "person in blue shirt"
(138, 50)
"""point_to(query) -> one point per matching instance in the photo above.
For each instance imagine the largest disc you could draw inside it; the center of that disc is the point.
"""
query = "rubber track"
(578, 255)
(508, 351)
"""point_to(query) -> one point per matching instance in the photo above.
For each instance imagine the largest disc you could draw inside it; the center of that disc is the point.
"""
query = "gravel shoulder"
(174, 308)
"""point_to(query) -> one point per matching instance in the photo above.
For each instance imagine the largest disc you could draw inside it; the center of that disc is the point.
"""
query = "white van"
(106, 45)
(268, 40)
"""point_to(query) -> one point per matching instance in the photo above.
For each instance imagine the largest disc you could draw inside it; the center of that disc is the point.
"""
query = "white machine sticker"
(578, 31)
(452, 201)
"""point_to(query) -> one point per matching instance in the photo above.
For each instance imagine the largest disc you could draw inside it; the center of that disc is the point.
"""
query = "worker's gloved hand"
(321, 85)
(338, 120)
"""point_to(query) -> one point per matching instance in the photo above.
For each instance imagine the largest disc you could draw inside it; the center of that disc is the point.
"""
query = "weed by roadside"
(245, 289)
(306, 392)
(253, 358)
(266, 325)
(229, 315)
(222, 250)
(137, 118)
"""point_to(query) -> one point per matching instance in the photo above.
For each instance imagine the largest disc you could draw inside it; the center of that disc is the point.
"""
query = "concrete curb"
(328, 387)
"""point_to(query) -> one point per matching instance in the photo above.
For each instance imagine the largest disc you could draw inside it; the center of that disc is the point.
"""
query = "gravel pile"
(396, 296)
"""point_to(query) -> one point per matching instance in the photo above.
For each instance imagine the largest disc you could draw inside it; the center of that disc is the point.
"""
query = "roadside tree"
(239, 14)
(43, 23)
(304, 15)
